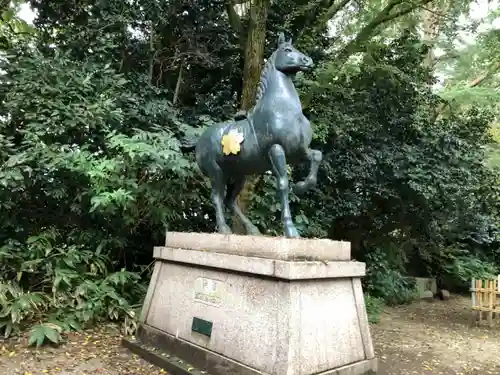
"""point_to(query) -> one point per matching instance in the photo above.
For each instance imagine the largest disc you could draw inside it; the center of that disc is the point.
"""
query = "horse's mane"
(261, 89)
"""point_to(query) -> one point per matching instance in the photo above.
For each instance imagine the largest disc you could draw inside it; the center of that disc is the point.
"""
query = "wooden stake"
(491, 290)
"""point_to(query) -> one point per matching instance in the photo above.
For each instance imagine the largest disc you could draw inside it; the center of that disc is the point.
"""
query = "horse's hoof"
(224, 229)
(253, 231)
(292, 232)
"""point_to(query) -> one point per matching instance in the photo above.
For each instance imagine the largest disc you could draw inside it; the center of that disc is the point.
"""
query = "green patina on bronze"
(272, 135)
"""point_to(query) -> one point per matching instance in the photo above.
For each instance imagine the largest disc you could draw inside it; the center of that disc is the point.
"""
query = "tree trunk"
(254, 52)
(254, 59)
(178, 84)
(433, 18)
(151, 53)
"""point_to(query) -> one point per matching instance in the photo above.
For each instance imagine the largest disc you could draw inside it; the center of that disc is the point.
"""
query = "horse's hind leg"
(233, 190)
(278, 162)
(218, 181)
(314, 157)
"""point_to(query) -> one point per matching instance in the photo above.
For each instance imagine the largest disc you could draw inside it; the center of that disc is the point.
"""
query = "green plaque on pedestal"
(201, 326)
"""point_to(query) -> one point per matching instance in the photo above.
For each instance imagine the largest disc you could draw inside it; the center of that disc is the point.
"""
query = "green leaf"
(73, 323)
(8, 329)
(37, 336)
(53, 334)
(44, 331)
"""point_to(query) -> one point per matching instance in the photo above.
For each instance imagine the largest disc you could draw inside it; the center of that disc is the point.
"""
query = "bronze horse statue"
(273, 133)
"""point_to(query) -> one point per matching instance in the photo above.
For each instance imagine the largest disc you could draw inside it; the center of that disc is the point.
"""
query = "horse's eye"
(288, 49)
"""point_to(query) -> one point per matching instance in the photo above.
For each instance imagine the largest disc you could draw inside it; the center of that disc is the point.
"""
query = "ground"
(435, 338)
(419, 339)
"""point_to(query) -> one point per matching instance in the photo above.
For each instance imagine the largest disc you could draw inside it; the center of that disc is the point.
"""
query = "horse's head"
(289, 60)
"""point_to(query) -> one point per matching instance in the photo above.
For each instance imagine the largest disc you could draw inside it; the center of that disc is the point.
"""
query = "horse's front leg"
(314, 157)
(278, 162)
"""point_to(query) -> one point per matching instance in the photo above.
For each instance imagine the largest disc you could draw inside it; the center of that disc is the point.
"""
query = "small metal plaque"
(202, 326)
(208, 291)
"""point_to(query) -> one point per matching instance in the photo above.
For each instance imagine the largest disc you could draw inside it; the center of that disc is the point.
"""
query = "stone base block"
(166, 351)
(231, 313)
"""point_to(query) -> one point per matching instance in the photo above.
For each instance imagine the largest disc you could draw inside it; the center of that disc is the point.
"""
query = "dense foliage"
(96, 98)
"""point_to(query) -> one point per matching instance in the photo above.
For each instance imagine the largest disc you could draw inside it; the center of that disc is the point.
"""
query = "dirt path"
(420, 339)
(435, 338)
(94, 352)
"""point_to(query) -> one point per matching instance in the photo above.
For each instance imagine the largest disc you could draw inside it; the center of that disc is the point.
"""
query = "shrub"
(374, 308)
(459, 269)
(385, 280)
(57, 287)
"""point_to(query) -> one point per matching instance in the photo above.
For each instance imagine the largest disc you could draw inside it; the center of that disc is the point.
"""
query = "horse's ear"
(281, 39)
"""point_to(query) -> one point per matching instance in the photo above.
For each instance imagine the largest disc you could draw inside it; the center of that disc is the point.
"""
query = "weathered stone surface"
(444, 294)
(424, 284)
(289, 270)
(427, 296)
(211, 363)
(270, 316)
(261, 246)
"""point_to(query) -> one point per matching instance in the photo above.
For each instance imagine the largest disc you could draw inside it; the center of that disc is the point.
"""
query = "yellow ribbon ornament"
(231, 142)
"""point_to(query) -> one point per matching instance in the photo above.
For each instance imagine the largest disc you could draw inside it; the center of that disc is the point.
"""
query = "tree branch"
(474, 83)
(448, 56)
(406, 10)
(334, 9)
(433, 11)
(385, 15)
(178, 85)
(477, 81)
(8, 25)
(318, 19)
(234, 18)
(312, 9)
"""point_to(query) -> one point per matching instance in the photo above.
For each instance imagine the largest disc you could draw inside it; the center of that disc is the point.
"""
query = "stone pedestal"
(258, 305)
